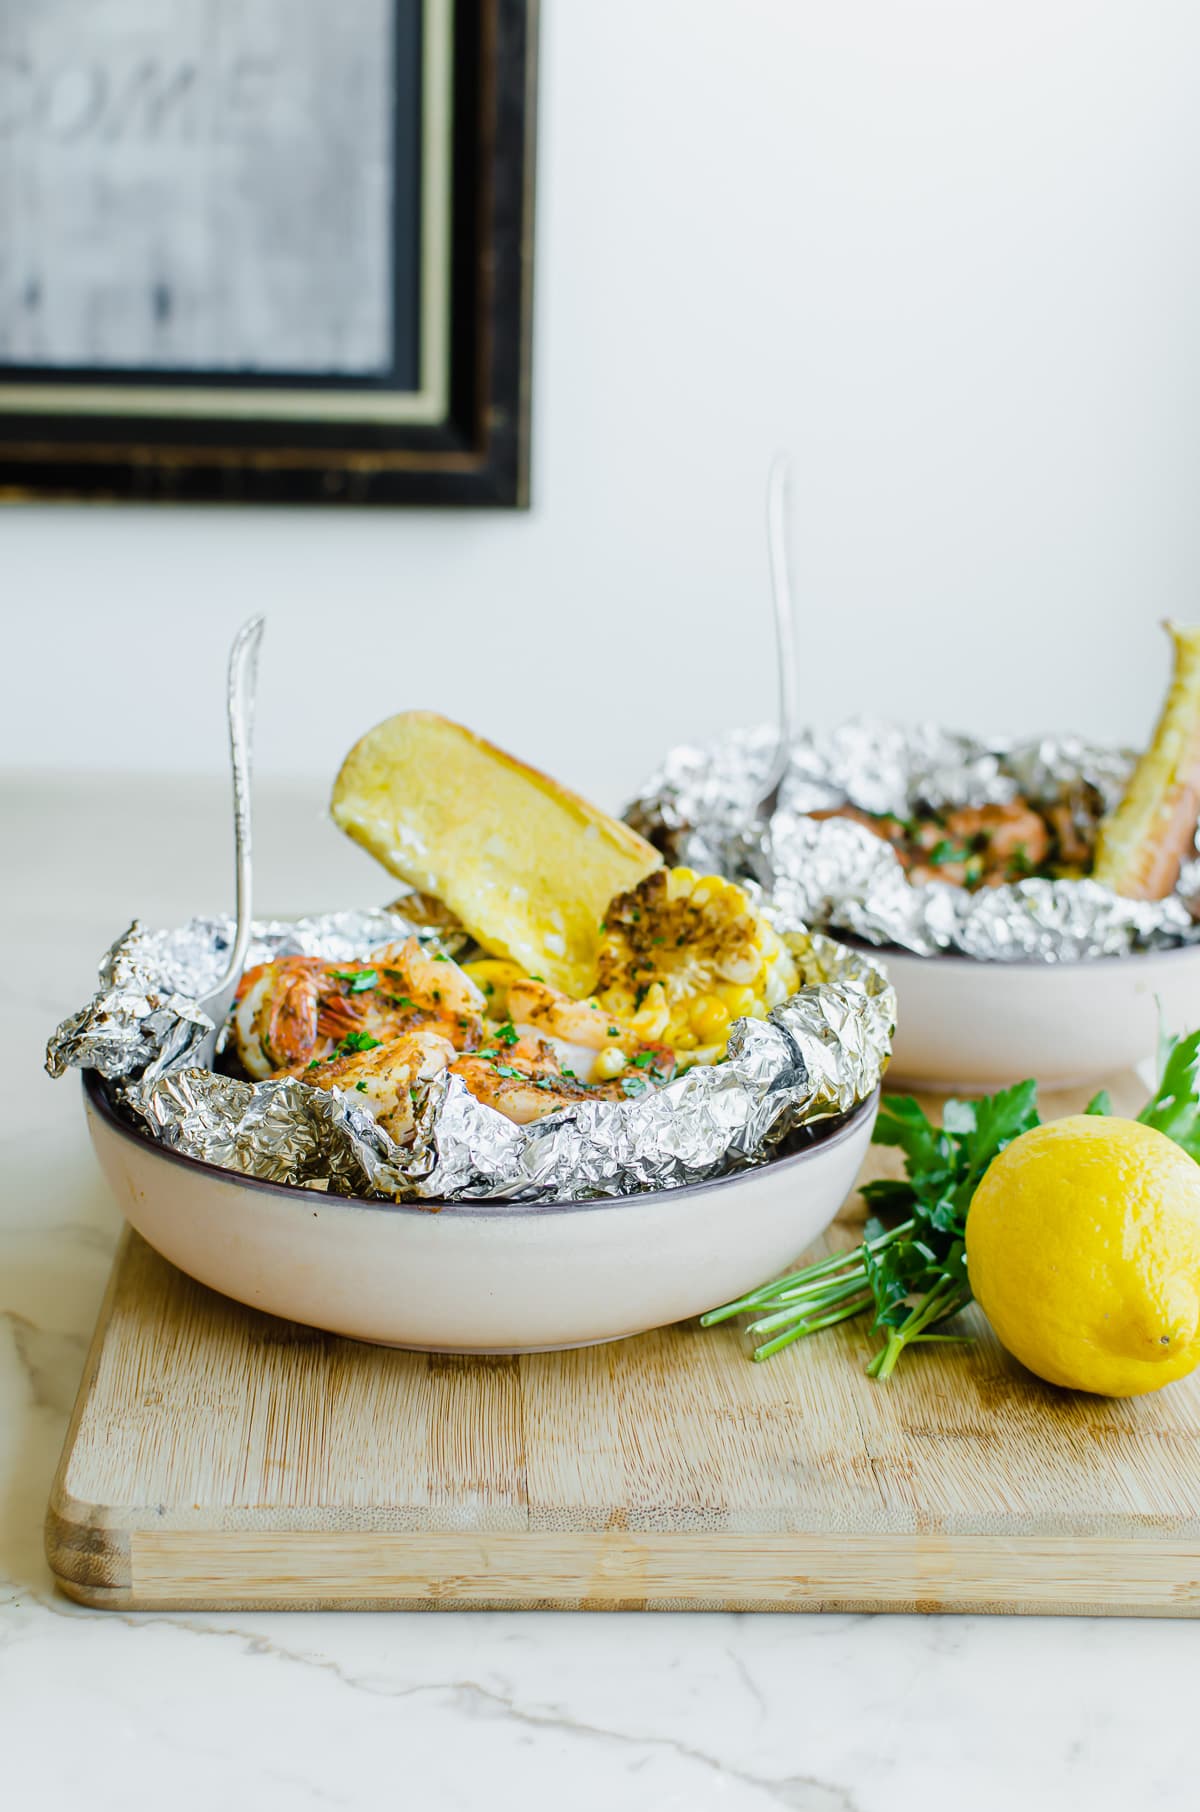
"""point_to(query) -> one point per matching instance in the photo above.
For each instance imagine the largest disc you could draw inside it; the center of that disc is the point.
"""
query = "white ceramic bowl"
(977, 1026)
(479, 1277)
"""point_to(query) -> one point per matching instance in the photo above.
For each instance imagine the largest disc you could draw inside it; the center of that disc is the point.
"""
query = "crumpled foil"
(819, 1055)
(699, 809)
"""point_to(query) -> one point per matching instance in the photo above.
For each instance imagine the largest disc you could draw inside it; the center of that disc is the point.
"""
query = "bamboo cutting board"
(219, 1459)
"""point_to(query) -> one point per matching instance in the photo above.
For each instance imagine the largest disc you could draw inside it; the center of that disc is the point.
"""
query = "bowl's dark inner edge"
(792, 1150)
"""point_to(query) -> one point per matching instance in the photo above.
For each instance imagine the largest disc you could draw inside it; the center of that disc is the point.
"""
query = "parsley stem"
(818, 1300)
(805, 1326)
(945, 1299)
(797, 1283)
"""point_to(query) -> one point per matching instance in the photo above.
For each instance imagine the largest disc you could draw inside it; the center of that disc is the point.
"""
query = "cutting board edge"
(160, 1569)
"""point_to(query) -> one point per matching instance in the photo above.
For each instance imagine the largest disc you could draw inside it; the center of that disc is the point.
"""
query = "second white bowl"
(977, 1026)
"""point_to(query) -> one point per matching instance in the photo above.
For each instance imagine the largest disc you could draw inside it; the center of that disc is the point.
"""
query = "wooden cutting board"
(222, 1459)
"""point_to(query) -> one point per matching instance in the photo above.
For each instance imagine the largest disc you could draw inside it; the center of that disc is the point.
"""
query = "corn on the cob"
(683, 955)
(1141, 845)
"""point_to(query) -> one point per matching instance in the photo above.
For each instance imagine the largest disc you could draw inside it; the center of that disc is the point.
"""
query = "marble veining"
(604, 1713)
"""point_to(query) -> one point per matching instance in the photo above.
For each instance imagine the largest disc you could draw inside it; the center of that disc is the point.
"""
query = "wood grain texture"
(220, 1458)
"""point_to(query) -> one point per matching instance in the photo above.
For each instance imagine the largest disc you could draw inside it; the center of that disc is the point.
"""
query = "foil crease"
(699, 809)
(819, 1055)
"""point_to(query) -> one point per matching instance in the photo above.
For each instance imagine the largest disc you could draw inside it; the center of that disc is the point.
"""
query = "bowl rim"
(889, 952)
(826, 1135)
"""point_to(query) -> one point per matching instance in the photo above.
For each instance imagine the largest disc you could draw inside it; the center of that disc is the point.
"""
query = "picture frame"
(365, 341)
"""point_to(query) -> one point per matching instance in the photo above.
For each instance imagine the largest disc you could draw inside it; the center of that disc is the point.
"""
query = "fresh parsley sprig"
(912, 1273)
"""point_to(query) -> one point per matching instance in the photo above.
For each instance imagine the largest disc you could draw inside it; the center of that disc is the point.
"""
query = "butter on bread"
(527, 865)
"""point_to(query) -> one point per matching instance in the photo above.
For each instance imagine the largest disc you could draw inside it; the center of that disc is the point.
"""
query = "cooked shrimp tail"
(300, 1010)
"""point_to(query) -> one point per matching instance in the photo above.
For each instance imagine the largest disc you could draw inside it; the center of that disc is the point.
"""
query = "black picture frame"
(477, 454)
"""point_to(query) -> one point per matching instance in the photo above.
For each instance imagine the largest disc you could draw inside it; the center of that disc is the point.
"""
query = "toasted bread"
(526, 865)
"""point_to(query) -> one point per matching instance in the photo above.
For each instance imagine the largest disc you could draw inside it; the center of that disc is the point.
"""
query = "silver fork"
(778, 484)
(243, 679)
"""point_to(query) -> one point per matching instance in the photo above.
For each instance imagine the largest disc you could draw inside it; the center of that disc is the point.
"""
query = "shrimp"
(1008, 835)
(598, 1045)
(526, 1082)
(388, 1077)
(970, 846)
(301, 1010)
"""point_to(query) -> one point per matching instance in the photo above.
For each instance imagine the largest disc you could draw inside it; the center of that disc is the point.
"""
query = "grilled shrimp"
(302, 1010)
(594, 1044)
(526, 1081)
(1007, 833)
(387, 1076)
(974, 845)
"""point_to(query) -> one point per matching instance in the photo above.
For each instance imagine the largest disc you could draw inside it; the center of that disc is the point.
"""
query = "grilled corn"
(1141, 846)
(682, 956)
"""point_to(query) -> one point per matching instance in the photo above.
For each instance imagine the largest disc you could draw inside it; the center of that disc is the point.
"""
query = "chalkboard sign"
(278, 251)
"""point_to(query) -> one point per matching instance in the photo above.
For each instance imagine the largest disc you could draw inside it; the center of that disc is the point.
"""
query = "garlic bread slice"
(528, 866)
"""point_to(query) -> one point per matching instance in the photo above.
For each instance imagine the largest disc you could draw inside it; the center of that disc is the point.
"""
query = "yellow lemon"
(1083, 1249)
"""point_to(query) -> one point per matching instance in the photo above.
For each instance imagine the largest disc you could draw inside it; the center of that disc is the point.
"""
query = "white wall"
(947, 251)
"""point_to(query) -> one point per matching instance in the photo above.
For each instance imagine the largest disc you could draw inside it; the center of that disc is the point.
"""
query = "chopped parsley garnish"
(488, 989)
(357, 1041)
(441, 959)
(540, 978)
(316, 1063)
(658, 940)
(359, 979)
(400, 1000)
(361, 1087)
(634, 1085)
(569, 1073)
(945, 851)
(643, 1061)
(613, 1032)
(508, 1033)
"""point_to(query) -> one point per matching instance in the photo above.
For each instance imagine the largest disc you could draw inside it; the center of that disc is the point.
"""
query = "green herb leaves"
(357, 1041)
(912, 1275)
(920, 1279)
(946, 851)
(1174, 1108)
(358, 980)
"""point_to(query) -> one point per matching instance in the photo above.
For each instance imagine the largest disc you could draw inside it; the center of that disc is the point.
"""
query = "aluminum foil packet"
(700, 809)
(819, 1055)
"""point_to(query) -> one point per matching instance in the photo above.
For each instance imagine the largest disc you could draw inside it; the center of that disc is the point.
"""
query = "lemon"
(1083, 1249)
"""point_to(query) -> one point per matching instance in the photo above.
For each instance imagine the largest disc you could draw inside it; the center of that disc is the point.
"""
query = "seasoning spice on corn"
(682, 956)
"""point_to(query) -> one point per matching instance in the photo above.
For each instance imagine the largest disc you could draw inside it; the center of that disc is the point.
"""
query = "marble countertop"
(603, 1713)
